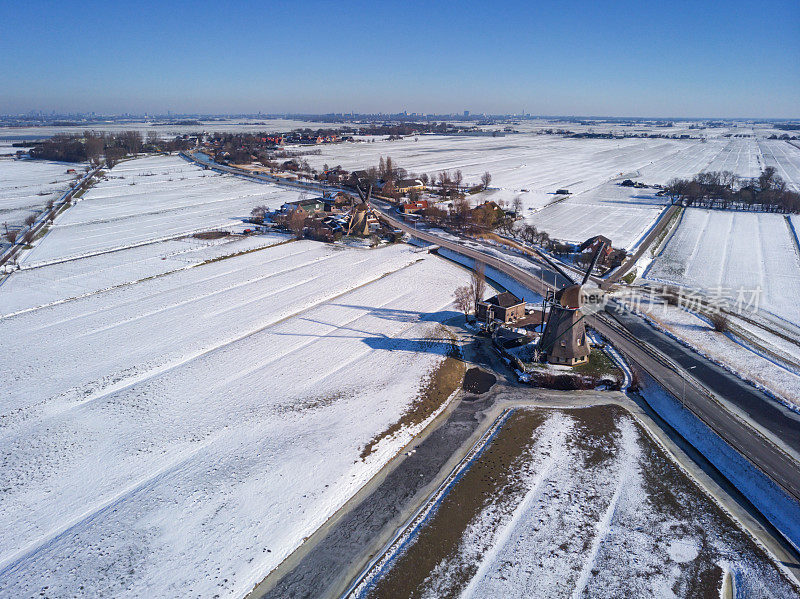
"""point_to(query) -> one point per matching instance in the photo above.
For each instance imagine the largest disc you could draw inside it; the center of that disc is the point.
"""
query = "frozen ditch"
(576, 503)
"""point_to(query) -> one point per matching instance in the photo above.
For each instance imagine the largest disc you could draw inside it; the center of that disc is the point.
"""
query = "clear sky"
(698, 59)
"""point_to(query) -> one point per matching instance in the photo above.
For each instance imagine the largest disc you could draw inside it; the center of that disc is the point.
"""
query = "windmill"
(358, 223)
(564, 337)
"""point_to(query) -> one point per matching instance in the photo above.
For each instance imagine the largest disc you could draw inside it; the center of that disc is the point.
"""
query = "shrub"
(720, 322)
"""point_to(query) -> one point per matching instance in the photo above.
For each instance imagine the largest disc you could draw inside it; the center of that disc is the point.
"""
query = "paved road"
(664, 221)
(652, 350)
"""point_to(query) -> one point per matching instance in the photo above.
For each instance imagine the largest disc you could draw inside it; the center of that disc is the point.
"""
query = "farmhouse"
(309, 206)
(406, 185)
(489, 213)
(504, 308)
(414, 207)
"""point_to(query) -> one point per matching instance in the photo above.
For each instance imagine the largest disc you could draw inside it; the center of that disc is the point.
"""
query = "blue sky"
(699, 59)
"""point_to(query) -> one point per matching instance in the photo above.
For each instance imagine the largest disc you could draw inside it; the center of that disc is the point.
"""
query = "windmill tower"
(564, 338)
(358, 223)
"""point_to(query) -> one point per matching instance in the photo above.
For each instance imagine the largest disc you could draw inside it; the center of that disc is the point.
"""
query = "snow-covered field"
(785, 157)
(583, 505)
(722, 252)
(32, 288)
(26, 185)
(625, 215)
(152, 199)
(182, 435)
(532, 167)
(538, 163)
(622, 215)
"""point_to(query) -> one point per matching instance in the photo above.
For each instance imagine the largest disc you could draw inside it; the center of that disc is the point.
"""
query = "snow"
(725, 251)
(589, 168)
(182, 435)
(539, 163)
(768, 373)
(622, 215)
(152, 199)
(32, 288)
(26, 185)
(571, 523)
(778, 507)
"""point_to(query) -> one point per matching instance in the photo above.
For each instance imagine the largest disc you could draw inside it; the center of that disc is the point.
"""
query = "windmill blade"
(601, 246)
(369, 194)
(360, 193)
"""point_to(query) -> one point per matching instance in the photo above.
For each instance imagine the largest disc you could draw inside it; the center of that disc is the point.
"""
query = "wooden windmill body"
(564, 338)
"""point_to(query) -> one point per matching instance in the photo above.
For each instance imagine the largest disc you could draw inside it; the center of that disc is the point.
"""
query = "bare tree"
(259, 212)
(517, 205)
(463, 299)
(28, 237)
(297, 222)
(461, 209)
(153, 139)
(486, 178)
(458, 179)
(11, 236)
(30, 219)
(478, 282)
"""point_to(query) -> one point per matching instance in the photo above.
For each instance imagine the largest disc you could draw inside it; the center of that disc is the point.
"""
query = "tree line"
(722, 189)
(94, 147)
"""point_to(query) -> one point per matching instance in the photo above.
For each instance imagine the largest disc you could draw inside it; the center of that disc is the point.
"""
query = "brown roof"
(504, 300)
(534, 319)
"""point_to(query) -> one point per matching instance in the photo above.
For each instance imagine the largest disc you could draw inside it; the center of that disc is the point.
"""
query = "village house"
(489, 213)
(310, 206)
(323, 228)
(414, 207)
(406, 185)
(502, 308)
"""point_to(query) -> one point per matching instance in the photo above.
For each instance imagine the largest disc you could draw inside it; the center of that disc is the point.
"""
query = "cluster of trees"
(714, 189)
(94, 147)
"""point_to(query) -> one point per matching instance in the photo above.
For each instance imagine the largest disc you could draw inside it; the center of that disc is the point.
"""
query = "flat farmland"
(27, 185)
(620, 213)
(721, 252)
(539, 164)
(785, 157)
(211, 418)
(37, 287)
(151, 199)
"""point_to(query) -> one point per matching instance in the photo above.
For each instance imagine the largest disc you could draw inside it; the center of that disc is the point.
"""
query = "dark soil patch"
(211, 234)
(491, 477)
(478, 381)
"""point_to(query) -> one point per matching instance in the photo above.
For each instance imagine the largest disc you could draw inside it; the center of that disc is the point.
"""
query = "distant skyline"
(626, 59)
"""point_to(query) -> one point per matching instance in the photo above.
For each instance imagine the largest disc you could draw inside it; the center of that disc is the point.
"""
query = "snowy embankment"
(780, 509)
(496, 276)
(181, 436)
(152, 199)
(27, 185)
(773, 376)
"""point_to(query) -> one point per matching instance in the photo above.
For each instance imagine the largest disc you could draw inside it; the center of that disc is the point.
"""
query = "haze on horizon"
(628, 59)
